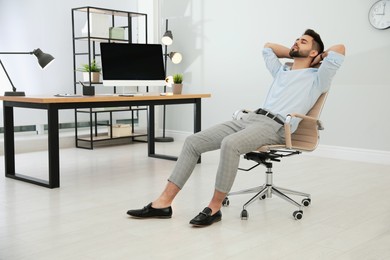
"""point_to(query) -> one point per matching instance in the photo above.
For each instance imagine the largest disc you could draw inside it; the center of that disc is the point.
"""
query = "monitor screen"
(126, 64)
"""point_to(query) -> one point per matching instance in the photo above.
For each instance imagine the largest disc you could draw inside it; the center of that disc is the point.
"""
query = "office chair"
(305, 138)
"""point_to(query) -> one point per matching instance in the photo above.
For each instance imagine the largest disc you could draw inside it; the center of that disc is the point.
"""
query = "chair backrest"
(306, 137)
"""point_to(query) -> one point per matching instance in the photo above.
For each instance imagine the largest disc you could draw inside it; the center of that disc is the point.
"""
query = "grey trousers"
(234, 138)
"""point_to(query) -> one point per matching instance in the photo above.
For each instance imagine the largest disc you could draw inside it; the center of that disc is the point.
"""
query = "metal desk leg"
(53, 147)
(198, 119)
(53, 141)
(151, 129)
(197, 115)
(9, 141)
(151, 140)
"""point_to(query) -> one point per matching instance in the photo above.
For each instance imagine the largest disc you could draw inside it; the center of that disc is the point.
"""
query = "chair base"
(266, 191)
(263, 192)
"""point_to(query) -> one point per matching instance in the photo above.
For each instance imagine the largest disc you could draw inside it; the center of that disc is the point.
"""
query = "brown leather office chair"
(305, 138)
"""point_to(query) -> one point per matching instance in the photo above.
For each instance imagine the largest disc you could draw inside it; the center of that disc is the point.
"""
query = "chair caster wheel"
(244, 214)
(262, 197)
(306, 202)
(298, 214)
(226, 202)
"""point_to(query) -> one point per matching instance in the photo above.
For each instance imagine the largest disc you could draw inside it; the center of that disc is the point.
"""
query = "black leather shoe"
(150, 212)
(205, 218)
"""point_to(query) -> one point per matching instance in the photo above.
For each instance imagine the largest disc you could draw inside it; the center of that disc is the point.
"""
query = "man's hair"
(317, 43)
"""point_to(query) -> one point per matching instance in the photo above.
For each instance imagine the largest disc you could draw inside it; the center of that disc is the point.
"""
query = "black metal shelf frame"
(91, 52)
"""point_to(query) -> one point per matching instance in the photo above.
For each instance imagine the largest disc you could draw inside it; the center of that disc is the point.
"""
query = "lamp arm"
(6, 73)
(30, 52)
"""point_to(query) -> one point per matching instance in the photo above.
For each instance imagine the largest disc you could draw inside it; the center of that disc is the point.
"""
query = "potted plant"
(177, 85)
(94, 70)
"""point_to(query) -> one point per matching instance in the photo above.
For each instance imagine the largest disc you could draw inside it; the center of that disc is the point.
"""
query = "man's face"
(302, 47)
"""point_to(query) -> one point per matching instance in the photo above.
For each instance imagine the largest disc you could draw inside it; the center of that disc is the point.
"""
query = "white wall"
(221, 42)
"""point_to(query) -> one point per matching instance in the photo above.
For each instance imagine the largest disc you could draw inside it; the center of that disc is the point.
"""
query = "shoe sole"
(158, 217)
(206, 225)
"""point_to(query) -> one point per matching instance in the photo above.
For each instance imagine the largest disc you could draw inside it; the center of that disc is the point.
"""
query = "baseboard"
(328, 151)
(353, 154)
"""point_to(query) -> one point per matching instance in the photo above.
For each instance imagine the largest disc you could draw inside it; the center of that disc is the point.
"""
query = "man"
(294, 89)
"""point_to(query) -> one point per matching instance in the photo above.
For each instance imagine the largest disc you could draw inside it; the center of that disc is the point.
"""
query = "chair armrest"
(287, 127)
(309, 118)
(302, 116)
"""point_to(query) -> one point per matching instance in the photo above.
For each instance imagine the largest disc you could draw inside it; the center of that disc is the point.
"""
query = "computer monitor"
(125, 64)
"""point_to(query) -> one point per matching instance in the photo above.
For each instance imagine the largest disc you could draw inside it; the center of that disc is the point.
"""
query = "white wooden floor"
(86, 217)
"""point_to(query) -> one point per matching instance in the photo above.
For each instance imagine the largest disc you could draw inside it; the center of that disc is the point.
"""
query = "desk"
(54, 104)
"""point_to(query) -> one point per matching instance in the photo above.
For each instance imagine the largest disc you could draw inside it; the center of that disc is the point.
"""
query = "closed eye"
(302, 40)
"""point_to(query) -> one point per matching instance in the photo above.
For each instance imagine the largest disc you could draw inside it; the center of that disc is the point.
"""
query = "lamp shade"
(43, 58)
(175, 57)
(167, 38)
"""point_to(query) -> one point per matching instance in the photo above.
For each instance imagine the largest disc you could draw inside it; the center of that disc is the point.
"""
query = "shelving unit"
(109, 132)
(90, 26)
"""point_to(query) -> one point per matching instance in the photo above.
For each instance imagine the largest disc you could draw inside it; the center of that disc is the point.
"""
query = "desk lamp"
(43, 59)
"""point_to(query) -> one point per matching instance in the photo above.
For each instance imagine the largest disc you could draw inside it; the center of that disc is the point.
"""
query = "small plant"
(178, 79)
(93, 68)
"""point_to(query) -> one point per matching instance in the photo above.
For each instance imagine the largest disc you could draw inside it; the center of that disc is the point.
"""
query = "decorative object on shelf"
(98, 26)
(379, 15)
(177, 85)
(44, 59)
(91, 72)
(117, 33)
(176, 58)
(120, 130)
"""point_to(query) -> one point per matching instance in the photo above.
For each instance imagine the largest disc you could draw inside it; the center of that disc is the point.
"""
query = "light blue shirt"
(296, 91)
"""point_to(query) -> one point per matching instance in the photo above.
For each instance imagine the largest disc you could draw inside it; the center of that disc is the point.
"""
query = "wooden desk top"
(99, 98)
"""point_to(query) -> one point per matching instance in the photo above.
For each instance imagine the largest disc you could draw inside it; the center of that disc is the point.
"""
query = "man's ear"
(313, 53)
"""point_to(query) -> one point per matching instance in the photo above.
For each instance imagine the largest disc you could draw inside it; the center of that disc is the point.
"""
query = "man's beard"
(297, 54)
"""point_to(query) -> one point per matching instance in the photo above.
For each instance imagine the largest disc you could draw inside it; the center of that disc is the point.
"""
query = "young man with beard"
(294, 89)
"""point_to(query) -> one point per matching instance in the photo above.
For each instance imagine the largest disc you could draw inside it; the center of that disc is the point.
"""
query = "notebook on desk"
(132, 94)
(67, 95)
